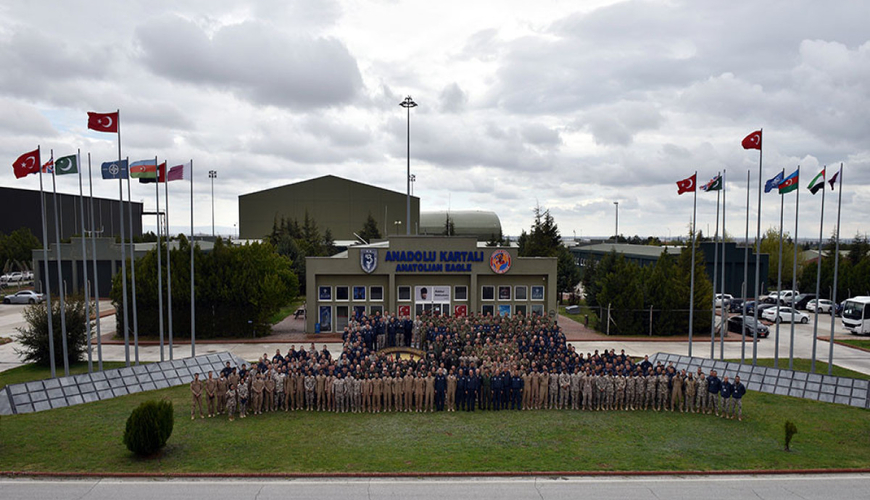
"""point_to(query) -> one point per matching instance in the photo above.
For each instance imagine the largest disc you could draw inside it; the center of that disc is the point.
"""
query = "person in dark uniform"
(471, 389)
(485, 390)
(726, 392)
(517, 391)
(737, 398)
(497, 386)
(392, 327)
(407, 331)
(461, 389)
(440, 390)
(714, 387)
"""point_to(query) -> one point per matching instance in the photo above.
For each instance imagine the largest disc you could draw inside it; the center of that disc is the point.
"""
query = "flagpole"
(836, 271)
(159, 263)
(60, 278)
(692, 272)
(46, 279)
(745, 274)
(819, 272)
(168, 255)
(757, 287)
(94, 257)
(192, 295)
(794, 266)
(722, 327)
(124, 266)
(85, 262)
(133, 274)
(779, 278)
(715, 276)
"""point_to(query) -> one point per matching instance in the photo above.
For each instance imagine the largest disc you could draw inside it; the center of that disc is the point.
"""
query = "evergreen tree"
(370, 231)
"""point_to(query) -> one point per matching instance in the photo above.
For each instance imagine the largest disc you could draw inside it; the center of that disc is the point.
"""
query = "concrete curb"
(379, 475)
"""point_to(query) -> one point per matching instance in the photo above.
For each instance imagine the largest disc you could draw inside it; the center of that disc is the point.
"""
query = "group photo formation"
(468, 363)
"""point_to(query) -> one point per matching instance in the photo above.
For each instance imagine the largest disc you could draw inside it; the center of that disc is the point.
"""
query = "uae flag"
(66, 165)
(686, 185)
(790, 183)
(715, 184)
(817, 183)
(103, 122)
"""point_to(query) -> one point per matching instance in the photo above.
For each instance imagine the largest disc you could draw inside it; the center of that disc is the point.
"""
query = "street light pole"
(413, 180)
(616, 236)
(212, 174)
(408, 103)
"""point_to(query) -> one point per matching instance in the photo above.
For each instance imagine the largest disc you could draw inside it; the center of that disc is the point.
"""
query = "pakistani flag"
(818, 182)
(66, 165)
(715, 184)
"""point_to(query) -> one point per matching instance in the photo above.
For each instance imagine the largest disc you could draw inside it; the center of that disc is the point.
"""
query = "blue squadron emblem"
(368, 259)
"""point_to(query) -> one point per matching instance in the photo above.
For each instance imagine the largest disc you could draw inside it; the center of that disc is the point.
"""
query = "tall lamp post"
(616, 237)
(413, 180)
(212, 174)
(408, 103)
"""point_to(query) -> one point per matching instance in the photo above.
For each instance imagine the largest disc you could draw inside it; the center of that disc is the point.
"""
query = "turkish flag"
(687, 185)
(752, 141)
(27, 164)
(103, 122)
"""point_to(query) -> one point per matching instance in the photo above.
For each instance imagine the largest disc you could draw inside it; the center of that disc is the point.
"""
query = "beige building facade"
(407, 275)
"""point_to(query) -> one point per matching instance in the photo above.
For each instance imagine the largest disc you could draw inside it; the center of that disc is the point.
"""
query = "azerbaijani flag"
(145, 169)
(790, 183)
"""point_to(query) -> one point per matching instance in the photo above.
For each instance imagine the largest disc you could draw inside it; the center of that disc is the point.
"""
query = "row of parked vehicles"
(16, 278)
(855, 312)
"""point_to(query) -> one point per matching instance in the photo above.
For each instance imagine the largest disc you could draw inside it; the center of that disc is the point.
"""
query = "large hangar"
(481, 224)
(339, 204)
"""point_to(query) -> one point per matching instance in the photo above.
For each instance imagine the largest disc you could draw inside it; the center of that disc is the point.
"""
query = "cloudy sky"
(568, 104)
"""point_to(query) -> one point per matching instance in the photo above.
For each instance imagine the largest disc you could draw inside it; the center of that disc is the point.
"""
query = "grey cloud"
(19, 119)
(255, 61)
(619, 122)
(453, 99)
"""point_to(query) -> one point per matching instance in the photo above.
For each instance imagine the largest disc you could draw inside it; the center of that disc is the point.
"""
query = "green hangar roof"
(481, 224)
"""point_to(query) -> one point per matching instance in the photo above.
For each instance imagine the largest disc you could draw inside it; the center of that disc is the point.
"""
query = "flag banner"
(834, 178)
(158, 174)
(752, 141)
(774, 183)
(790, 183)
(48, 167)
(114, 169)
(66, 165)
(179, 172)
(26, 164)
(145, 169)
(103, 122)
(817, 183)
(715, 184)
(687, 185)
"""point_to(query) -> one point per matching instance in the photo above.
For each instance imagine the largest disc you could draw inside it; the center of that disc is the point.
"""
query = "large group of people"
(467, 363)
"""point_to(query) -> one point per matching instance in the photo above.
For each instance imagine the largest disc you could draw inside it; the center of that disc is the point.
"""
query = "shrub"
(790, 431)
(34, 336)
(149, 427)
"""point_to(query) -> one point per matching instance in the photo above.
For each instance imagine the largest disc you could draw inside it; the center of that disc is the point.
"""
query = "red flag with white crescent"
(103, 122)
(752, 141)
(687, 185)
(26, 164)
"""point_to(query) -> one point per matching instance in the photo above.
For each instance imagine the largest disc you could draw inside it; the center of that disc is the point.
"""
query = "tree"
(370, 231)
(621, 291)
(770, 246)
(703, 287)
(568, 272)
(859, 249)
(497, 240)
(449, 227)
(544, 239)
(34, 336)
(16, 249)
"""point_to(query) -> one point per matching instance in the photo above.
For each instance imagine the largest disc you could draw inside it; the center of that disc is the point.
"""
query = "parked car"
(764, 307)
(736, 305)
(801, 301)
(720, 299)
(735, 324)
(23, 297)
(820, 306)
(786, 314)
(784, 297)
(16, 277)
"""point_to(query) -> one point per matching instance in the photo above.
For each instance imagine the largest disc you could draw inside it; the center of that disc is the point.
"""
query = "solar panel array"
(784, 382)
(60, 392)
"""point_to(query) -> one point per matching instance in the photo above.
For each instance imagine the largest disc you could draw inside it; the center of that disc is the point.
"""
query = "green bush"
(790, 431)
(34, 336)
(149, 427)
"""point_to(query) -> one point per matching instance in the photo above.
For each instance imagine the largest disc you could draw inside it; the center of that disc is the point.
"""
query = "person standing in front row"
(196, 394)
(714, 387)
(737, 398)
(231, 401)
(727, 390)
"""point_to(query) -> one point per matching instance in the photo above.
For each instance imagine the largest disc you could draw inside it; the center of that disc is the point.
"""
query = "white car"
(823, 306)
(786, 314)
(720, 298)
(23, 297)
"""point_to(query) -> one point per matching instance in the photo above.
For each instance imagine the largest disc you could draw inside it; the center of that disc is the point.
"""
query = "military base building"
(408, 275)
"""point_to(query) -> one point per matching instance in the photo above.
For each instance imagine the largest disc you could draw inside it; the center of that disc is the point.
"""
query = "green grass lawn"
(286, 310)
(803, 365)
(862, 343)
(593, 316)
(87, 438)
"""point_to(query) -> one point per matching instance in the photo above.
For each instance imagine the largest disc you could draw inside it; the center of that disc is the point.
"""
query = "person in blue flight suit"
(461, 385)
(497, 386)
(392, 327)
(368, 338)
(714, 387)
(471, 389)
(737, 398)
(516, 391)
(408, 331)
(440, 390)
(379, 331)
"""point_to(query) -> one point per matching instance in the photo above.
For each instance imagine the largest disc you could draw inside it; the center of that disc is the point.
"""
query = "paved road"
(825, 487)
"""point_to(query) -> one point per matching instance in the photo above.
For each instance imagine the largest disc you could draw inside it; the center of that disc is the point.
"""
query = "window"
(377, 309)
(487, 293)
(325, 317)
(488, 309)
(359, 293)
(340, 318)
(376, 293)
(504, 309)
(521, 293)
(537, 309)
(460, 293)
(325, 293)
(537, 293)
(521, 309)
(404, 294)
(341, 293)
(504, 292)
